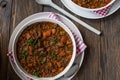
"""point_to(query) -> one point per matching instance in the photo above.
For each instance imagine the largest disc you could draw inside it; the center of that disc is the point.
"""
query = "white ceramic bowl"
(41, 20)
(88, 9)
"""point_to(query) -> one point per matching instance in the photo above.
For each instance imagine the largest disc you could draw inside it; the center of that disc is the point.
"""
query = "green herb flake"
(66, 47)
(30, 42)
(54, 39)
(35, 73)
(24, 51)
(23, 57)
(24, 54)
(54, 57)
(63, 59)
(63, 33)
(52, 53)
(58, 30)
(42, 62)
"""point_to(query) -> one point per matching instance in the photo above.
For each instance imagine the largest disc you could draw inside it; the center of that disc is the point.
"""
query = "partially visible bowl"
(15, 51)
(91, 9)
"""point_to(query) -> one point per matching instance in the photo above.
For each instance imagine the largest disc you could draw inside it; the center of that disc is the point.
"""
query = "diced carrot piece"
(69, 57)
(44, 59)
(58, 64)
(44, 35)
(61, 69)
(53, 31)
(48, 49)
(60, 44)
(29, 65)
(50, 64)
(53, 70)
(31, 48)
(68, 42)
(63, 38)
(48, 33)
(28, 36)
(62, 53)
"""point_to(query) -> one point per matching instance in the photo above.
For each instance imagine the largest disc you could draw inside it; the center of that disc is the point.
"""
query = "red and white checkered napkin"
(79, 44)
(10, 55)
(104, 11)
(29, 78)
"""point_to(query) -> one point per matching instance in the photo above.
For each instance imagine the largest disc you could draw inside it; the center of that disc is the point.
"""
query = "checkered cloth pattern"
(29, 78)
(104, 11)
(10, 55)
(79, 44)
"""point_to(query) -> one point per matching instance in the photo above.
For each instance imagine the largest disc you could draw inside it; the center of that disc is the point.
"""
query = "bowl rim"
(42, 20)
(94, 9)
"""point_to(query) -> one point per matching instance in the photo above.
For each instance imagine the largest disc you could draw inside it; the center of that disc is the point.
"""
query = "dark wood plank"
(90, 67)
(101, 60)
(110, 48)
(20, 10)
(5, 14)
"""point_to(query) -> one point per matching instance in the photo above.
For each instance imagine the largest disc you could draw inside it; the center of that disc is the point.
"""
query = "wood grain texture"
(20, 10)
(110, 48)
(101, 60)
(5, 13)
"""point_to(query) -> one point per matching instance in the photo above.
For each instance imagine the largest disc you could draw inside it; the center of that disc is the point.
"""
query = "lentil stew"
(44, 49)
(92, 3)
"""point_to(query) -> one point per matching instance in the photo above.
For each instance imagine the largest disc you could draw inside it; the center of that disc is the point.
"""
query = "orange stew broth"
(92, 3)
(44, 49)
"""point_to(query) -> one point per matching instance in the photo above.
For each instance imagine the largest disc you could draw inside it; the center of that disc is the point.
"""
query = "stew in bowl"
(92, 4)
(44, 49)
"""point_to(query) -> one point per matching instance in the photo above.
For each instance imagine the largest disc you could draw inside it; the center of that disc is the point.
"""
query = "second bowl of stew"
(92, 5)
(44, 49)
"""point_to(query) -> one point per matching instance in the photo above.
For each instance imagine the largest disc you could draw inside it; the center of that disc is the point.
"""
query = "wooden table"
(102, 56)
